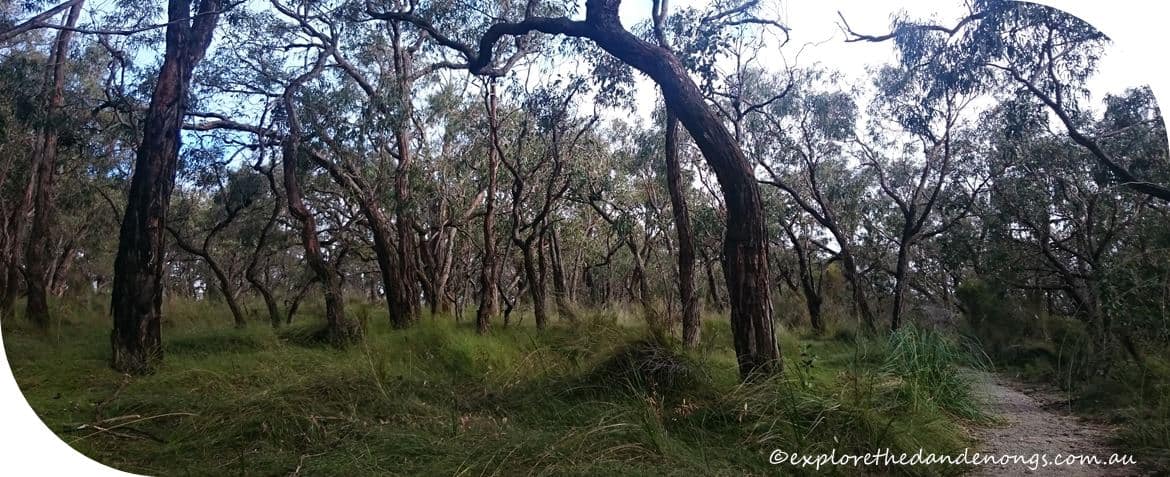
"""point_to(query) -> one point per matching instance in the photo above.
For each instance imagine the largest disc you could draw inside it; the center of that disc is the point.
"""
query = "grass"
(595, 398)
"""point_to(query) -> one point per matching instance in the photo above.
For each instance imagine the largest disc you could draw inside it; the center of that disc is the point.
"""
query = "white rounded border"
(28, 447)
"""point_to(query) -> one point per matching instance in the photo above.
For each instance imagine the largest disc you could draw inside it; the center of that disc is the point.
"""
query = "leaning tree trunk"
(691, 326)
(136, 300)
(225, 285)
(379, 225)
(745, 245)
(339, 329)
(40, 248)
(61, 270)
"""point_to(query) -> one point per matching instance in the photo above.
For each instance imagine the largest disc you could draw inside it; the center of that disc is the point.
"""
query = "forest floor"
(1035, 421)
(590, 398)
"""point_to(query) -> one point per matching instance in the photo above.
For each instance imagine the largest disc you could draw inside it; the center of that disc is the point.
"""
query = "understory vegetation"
(1128, 388)
(594, 398)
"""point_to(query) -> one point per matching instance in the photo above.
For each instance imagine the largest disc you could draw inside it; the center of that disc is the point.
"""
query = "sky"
(816, 35)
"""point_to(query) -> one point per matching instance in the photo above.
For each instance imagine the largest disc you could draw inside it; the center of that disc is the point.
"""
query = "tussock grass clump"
(929, 363)
(647, 365)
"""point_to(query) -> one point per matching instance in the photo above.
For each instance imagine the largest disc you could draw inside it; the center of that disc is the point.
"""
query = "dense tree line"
(470, 159)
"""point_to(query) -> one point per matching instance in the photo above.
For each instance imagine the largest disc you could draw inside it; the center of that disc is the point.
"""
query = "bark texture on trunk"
(536, 288)
(406, 294)
(489, 274)
(560, 284)
(691, 326)
(900, 283)
(136, 300)
(40, 253)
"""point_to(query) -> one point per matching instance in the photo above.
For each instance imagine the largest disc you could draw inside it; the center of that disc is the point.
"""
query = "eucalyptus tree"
(925, 179)
(1032, 48)
(389, 108)
(450, 193)
(489, 276)
(540, 163)
(620, 191)
(39, 256)
(340, 330)
(137, 291)
(802, 148)
(232, 196)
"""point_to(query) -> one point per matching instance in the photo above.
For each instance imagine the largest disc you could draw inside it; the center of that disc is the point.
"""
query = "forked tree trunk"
(224, 283)
(136, 300)
(251, 273)
(691, 326)
(40, 247)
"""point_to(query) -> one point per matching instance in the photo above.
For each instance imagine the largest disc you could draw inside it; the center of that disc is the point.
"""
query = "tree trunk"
(560, 285)
(228, 291)
(535, 285)
(808, 286)
(691, 326)
(339, 329)
(61, 271)
(136, 300)
(713, 297)
(407, 291)
(250, 273)
(40, 247)
(857, 282)
(489, 275)
(900, 284)
(384, 252)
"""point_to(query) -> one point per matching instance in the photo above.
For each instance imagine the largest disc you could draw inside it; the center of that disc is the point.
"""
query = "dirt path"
(1033, 423)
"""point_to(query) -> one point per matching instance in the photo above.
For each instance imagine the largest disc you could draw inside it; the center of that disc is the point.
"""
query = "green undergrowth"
(593, 398)
(1132, 394)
